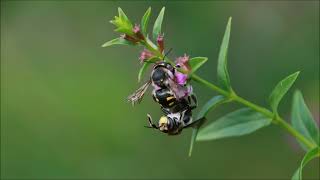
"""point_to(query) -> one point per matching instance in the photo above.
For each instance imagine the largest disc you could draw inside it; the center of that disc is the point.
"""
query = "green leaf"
(308, 157)
(145, 66)
(145, 20)
(143, 70)
(153, 59)
(117, 41)
(196, 62)
(302, 119)
(123, 16)
(280, 90)
(237, 123)
(193, 139)
(151, 43)
(122, 23)
(210, 105)
(223, 76)
(158, 23)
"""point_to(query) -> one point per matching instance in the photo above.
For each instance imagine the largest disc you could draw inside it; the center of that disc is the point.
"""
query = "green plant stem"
(276, 119)
(232, 96)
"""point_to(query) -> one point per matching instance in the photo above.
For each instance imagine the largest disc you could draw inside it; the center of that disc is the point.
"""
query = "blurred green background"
(63, 108)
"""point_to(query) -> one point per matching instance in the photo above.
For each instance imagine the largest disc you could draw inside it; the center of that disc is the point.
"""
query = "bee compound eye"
(171, 122)
(169, 67)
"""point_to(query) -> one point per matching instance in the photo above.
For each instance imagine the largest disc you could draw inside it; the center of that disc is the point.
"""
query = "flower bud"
(183, 63)
(145, 55)
(137, 31)
(160, 43)
(129, 38)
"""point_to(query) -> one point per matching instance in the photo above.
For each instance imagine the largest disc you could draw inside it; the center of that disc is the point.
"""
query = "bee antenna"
(151, 124)
(167, 53)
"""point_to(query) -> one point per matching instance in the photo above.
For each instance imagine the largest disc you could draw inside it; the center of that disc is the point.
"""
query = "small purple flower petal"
(181, 78)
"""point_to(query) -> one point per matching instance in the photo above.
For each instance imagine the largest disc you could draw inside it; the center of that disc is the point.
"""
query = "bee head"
(158, 77)
(161, 73)
(165, 65)
(164, 124)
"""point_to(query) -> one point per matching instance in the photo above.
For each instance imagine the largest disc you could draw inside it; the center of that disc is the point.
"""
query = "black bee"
(170, 104)
(178, 113)
(162, 79)
(177, 108)
(162, 76)
(174, 123)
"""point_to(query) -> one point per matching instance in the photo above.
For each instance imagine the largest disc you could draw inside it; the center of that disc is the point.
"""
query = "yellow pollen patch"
(169, 98)
(163, 120)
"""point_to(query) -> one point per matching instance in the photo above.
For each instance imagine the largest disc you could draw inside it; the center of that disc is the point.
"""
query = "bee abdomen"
(165, 98)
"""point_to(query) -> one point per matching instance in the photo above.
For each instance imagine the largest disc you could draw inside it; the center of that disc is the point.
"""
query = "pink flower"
(183, 63)
(145, 55)
(180, 78)
(179, 90)
(137, 31)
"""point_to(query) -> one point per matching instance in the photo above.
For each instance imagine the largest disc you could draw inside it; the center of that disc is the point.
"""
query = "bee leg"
(151, 124)
(197, 123)
(193, 107)
(195, 101)
(189, 99)
(165, 110)
(194, 98)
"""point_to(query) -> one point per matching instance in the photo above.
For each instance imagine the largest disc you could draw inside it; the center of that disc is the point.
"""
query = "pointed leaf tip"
(223, 75)
(158, 23)
(116, 41)
(211, 104)
(145, 20)
(281, 89)
(196, 62)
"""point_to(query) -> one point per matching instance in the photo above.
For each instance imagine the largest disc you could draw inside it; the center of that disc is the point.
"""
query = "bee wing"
(137, 96)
